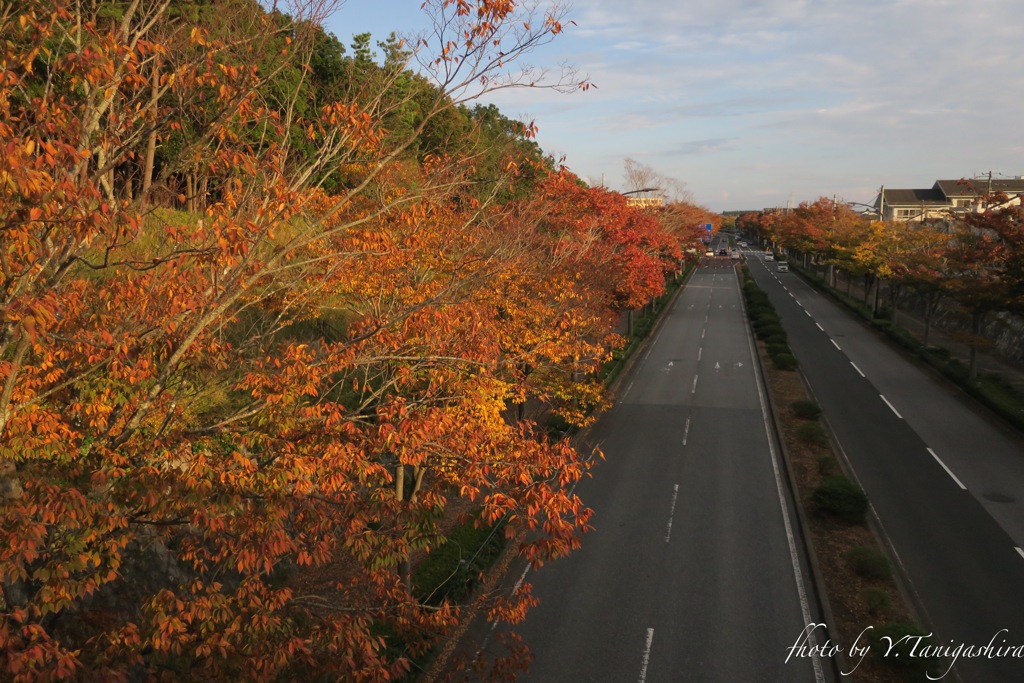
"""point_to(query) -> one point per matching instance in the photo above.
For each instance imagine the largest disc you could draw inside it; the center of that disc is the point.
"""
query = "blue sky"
(756, 103)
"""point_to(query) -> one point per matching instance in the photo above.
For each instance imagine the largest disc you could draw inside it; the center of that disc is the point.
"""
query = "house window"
(906, 213)
(963, 202)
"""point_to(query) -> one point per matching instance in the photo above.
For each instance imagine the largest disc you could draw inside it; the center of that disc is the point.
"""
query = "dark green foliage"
(869, 564)
(805, 409)
(877, 600)
(769, 330)
(777, 349)
(776, 338)
(892, 643)
(841, 498)
(827, 465)
(812, 433)
(450, 571)
(785, 361)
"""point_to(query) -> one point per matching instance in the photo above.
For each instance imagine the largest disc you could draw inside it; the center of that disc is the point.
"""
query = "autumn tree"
(197, 406)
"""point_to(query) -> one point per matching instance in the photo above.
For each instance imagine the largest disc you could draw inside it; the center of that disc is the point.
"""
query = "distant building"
(947, 198)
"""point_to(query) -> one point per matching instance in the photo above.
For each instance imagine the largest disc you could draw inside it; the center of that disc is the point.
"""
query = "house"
(947, 198)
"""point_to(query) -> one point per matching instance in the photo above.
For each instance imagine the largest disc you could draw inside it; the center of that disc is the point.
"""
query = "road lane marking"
(834, 344)
(857, 369)
(703, 331)
(700, 350)
(647, 656)
(808, 313)
(627, 390)
(694, 390)
(949, 471)
(1019, 551)
(820, 327)
(686, 431)
(671, 513)
(893, 409)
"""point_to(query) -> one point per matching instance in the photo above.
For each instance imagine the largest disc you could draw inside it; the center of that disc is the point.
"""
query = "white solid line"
(950, 472)
(647, 656)
(627, 390)
(834, 344)
(794, 559)
(686, 431)
(671, 513)
(694, 390)
(857, 369)
(820, 327)
(891, 407)
(1019, 551)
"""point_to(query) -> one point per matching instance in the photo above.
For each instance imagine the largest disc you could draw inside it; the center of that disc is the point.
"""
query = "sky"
(764, 103)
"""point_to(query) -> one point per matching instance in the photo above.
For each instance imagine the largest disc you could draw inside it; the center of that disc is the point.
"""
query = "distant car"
(723, 252)
(742, 244)
(734, 254)
(709, 252)
(783, 267)
(769, 257)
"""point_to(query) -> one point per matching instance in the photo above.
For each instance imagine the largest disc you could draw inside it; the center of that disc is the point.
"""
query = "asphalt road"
(693, 572)
(944, 481)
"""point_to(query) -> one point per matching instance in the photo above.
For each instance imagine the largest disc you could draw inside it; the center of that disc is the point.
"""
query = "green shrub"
(827, 465)
(776, 349)
(766, 331)
(785, 361)
(805, 409)
(767, 320)
(839, 497)
(868, 563)
(876, 599)
(777, 338)
(812, 433)
(892, 643)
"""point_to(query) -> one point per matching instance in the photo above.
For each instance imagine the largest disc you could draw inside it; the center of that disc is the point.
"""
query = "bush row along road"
(946, 481)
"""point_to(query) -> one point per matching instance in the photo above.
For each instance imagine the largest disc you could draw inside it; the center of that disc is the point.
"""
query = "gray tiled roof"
(914, 197)
(978, 186)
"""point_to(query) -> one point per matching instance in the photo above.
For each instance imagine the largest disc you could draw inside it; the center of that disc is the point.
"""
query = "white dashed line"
(1019, 551)
(820, 327)
(647, 656)
(834, 344)
(671, 513)
(950, 473)
(857, 369)
(694, 390)
(891, 407)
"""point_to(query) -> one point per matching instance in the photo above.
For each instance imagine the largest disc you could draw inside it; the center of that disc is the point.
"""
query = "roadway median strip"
(851, 569)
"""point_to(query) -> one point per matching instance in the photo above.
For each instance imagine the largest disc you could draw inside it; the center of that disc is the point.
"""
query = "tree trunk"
(147, 170)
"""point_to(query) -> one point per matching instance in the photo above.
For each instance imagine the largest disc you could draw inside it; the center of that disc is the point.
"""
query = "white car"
(769, 257)
(783, 267)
